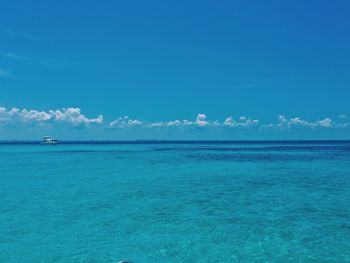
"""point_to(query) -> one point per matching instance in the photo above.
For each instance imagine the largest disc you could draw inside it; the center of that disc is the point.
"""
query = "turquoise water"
(203, 202)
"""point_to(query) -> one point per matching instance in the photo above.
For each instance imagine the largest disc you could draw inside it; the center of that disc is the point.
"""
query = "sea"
(175, 201)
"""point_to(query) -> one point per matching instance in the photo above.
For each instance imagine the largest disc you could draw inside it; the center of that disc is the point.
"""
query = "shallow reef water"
(165, 202)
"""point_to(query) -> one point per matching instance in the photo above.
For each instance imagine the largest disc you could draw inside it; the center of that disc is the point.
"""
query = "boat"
(47, 140)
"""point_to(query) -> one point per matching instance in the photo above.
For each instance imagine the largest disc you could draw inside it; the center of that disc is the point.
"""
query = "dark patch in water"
(257, 157)
(188, 142)
(294, 148)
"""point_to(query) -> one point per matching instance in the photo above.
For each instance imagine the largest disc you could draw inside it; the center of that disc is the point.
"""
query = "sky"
(175, 69)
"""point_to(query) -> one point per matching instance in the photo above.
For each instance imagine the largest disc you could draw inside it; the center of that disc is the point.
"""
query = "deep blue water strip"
(280, 142)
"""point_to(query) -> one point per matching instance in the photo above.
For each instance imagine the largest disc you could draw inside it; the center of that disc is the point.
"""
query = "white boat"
(47, 140)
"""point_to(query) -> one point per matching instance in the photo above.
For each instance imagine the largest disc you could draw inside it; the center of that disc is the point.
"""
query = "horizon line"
(150, 141)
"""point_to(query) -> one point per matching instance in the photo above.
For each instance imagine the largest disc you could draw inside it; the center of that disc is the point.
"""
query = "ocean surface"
(175, 202)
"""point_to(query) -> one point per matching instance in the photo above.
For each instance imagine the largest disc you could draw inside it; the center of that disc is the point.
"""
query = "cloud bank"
(74, 117)
(242, 122)
(283, 122)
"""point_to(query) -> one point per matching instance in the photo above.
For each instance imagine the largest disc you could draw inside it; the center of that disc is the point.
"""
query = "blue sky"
(161, 63)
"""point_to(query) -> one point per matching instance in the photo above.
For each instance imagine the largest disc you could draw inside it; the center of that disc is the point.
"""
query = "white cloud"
(123, 122)
(327, 122)
(34, 115)
(74, 117)
(175, 123)
(65, 115)
(201, 120)
(283, 122)
(300, 122)
(242, 122)
(229, 121)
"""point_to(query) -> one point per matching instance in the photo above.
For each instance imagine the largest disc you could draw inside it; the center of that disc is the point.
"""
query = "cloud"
(164, 124)
(71, 116)
(242, 122)
(123, 122)
(175, 123)
(283, 122)
(5, 74)
(201, 120)
(300, 122)
(327, 122)
(74, 117)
